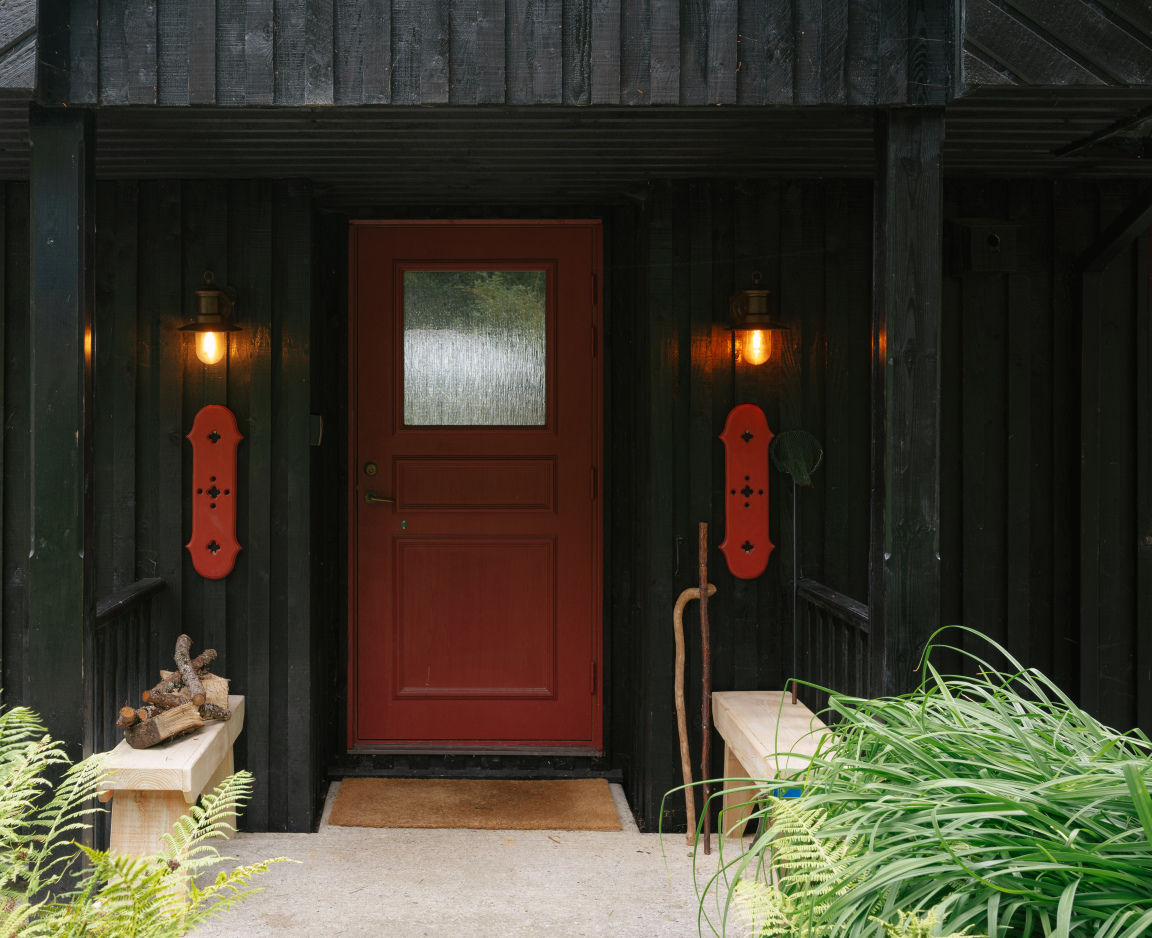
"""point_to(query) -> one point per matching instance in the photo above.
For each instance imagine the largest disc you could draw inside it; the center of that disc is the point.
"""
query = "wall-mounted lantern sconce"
(212, 326)
(753, 319)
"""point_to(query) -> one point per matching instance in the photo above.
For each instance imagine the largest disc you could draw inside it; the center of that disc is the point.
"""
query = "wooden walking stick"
(687, 596)
(706, 703)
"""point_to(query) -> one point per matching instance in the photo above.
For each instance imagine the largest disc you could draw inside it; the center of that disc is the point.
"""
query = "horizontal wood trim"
(124, 601)
(843, 607)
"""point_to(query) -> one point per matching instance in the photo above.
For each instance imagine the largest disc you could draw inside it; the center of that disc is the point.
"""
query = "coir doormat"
(583, 804)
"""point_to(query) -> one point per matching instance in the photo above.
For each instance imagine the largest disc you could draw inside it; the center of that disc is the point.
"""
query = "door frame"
(596, 340)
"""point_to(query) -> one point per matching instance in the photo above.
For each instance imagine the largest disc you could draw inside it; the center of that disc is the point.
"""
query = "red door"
(475, 402)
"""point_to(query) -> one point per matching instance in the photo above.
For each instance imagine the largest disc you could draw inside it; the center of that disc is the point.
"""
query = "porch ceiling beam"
(904, 606)
(61, 601)
(1118, 235)
(1106, 133)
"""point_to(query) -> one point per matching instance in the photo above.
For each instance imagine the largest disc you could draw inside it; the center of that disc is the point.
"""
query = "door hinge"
(593, 678)
(592, 492)
(595, 296)
(593, 341)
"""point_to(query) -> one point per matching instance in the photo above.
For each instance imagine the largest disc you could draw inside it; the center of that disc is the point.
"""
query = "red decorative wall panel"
(213, 546)
(746, 437)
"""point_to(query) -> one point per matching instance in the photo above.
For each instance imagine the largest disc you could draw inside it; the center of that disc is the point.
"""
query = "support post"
(61, 600)
(908, 249)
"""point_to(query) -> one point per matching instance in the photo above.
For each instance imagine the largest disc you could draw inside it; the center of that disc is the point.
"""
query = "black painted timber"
(1012, 559)
(1128, 225)
(257, 236)
(1056, 42)
(127, 599)
(61, 581)
(523, 52)
(845, 607)
(905, 566)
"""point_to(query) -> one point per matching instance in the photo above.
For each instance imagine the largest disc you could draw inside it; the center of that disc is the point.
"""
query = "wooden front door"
(475, 411)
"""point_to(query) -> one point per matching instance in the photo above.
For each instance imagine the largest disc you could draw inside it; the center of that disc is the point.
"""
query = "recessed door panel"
(476, 618)
(474, 513)
(476, 484)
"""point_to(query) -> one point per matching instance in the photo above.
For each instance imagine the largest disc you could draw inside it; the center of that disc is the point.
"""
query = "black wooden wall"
(1046, 443)
(811, 241)
(155, 240)
(1045, 446)
(407, 52)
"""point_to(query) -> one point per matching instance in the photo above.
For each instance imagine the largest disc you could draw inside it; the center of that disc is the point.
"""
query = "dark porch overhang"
(361, 159)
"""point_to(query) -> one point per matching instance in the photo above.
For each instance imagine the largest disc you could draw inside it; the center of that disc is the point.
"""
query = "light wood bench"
(151, 789)
(765, 736)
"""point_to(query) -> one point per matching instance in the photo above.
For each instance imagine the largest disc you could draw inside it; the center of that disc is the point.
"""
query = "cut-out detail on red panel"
(746, 437)
(214, 437)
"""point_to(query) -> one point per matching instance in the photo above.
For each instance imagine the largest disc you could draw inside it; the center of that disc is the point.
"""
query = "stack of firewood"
(180, 703)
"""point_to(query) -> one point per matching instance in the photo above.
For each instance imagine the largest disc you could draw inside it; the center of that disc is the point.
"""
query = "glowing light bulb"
(210, 347)
(756, 346)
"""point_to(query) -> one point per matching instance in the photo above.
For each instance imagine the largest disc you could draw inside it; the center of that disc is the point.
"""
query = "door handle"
(371, 497)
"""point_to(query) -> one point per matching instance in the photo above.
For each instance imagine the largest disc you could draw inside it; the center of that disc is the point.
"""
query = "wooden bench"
(765, 736)
(151, 789)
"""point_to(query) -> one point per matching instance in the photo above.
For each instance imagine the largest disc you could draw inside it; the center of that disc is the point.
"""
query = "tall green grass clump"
(988, 805)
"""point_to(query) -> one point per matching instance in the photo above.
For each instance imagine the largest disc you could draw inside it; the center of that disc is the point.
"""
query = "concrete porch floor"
(408, 883)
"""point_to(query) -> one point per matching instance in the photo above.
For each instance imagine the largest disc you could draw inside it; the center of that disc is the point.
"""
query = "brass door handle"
(371, 497)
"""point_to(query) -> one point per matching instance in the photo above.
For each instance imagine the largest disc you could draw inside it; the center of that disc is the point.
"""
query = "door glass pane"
(474, 347)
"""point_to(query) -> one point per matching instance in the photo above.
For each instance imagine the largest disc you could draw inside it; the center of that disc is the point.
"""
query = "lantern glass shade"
(211, 327)
(754, 345)
(211, 346)
(752, 315)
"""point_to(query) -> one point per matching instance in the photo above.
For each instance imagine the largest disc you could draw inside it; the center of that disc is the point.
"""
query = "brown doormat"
(583, 804)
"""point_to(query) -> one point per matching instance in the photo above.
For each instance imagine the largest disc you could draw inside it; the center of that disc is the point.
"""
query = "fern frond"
(916, 925)
(226, 890)
(766, 912)
(187, 844)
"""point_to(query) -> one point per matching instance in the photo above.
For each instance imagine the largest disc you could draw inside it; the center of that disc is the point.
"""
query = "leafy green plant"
(989, 803)
(113, 896)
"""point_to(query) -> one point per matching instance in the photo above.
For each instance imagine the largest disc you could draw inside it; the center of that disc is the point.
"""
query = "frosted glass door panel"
(474, 348)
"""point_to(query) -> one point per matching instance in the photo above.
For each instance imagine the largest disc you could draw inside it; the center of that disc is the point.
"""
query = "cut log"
(215, 688)
(170, 682)
(211, 711)
(146, 713)
(203, 660)
(128, 716)
(184, 666)
(165, 725)
(167, 701)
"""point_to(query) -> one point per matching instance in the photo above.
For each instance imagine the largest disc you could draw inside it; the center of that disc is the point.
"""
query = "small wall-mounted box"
(980, 246)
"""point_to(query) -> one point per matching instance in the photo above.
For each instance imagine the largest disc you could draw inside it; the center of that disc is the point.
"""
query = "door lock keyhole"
(370, 468)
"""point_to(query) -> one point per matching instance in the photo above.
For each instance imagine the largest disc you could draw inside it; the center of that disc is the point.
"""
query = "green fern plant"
(805, 871)
(113, 896)
(912, 925)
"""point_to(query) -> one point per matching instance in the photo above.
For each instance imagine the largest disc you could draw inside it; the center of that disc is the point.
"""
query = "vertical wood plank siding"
(155, 240)
(1010, 489)
(700, 242)
(1015, 506)
(1043, 485)
(416, 52)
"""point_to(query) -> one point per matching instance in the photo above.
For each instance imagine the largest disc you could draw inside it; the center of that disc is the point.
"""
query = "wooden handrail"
(125, 600)
(843, 607)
